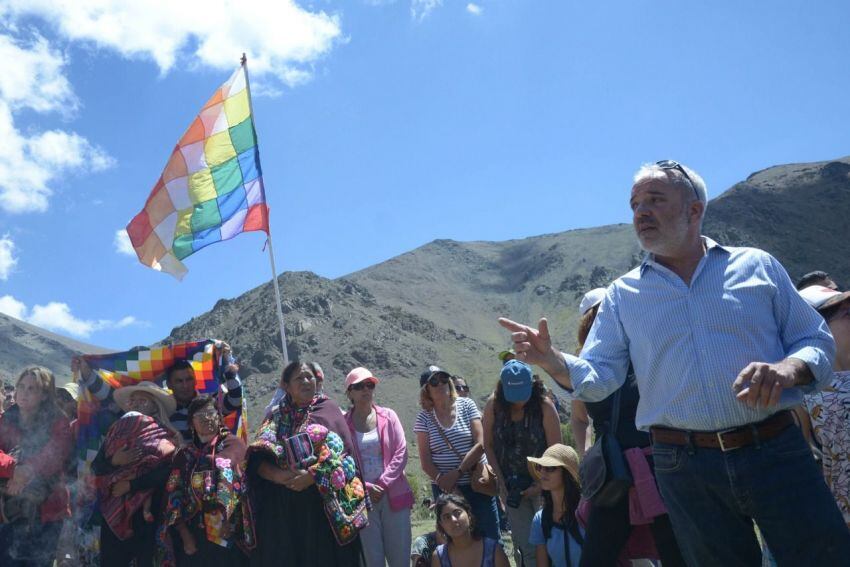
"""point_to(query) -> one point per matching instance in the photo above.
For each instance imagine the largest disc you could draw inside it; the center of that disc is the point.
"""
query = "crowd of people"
(708, 409)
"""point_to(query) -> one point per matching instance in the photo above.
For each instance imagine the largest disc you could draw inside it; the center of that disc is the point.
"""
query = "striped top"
(688, 343)
(459, 435)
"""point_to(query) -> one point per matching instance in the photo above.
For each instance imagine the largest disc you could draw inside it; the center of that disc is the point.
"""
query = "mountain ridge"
(438, 303)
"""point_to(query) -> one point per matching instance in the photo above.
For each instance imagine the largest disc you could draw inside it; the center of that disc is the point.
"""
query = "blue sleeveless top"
(488, 558)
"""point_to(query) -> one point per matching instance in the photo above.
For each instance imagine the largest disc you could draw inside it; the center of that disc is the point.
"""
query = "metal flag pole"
(275, 283)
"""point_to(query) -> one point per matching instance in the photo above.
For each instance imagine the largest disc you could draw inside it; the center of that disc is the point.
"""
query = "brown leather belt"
(728, 439)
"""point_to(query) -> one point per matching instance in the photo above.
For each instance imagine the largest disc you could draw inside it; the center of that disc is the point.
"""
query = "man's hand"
(534, 346)
(760, 384)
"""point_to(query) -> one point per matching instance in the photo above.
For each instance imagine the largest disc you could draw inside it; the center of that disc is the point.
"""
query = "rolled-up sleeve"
(804, 333)
(602, 366)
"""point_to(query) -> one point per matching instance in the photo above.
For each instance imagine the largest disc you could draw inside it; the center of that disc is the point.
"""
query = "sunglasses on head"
(541, 468)
(438, 379)
(368, 384)
(670, 164)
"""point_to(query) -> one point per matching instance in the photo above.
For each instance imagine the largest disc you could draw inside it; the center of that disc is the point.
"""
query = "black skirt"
(293, 530)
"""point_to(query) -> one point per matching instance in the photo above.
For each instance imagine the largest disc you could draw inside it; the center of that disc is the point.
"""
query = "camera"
(516, 484)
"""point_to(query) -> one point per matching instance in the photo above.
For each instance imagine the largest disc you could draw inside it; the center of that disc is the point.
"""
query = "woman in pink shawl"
(131, 467)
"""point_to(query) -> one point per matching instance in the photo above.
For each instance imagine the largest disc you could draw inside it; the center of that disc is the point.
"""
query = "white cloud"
(56, 316)
(419, 9)
(122, 243)
(8, 261)
(63, 150)
(281, 38)
(474, 9)
(31, 77)
(12, 307)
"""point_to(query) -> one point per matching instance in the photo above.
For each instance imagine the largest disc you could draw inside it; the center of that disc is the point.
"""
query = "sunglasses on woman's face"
(541, 468)
(369, 385)
(438, 379)
(461, 388)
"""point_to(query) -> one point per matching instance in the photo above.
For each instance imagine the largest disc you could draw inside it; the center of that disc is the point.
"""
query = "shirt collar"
(710, 244)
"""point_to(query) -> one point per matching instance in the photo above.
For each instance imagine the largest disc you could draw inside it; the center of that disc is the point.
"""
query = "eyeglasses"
(438, 379)
(461, 388)
(670, 164)
(368, 384)
(541, 468)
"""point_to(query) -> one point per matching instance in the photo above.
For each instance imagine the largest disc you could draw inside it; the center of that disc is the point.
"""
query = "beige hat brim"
(545, 461)
(834, 300)
(163, 398)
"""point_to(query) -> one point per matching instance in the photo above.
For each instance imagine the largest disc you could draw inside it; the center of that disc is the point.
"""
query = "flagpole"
(269, 234)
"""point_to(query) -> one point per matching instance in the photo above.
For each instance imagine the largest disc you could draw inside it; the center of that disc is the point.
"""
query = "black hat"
(430, 371)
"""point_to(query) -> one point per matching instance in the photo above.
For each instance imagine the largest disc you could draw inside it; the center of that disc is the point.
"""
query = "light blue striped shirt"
(688, 344)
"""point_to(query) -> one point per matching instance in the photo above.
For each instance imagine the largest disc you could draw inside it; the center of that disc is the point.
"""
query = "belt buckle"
(720, 435)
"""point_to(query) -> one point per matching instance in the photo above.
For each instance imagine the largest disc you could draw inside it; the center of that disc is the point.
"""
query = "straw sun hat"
(163, 399)
(557, 455)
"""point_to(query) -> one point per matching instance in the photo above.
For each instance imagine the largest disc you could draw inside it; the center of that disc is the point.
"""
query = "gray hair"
(696, 184)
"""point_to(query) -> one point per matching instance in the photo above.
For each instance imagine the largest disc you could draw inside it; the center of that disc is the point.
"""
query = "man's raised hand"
(534, 346)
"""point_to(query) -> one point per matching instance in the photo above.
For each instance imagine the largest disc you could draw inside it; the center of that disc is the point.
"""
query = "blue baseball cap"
(516, 379)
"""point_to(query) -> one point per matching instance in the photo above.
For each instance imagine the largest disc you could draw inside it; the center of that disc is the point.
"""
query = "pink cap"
(358, 375)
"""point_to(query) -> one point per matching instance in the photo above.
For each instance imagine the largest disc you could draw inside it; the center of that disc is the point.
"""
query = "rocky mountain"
(439, 303)
(22, 345)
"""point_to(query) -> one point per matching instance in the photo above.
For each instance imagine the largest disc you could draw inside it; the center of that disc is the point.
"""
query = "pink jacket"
(394, 454)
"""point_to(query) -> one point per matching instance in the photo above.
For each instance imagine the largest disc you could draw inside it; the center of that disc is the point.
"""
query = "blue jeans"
(483, 508)
(713, 498)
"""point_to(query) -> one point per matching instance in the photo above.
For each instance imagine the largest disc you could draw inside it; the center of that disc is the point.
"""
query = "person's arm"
(551, 423)
(435, 559)
(581, 426)
(487, 424)
(542, 555)
(397, 445)
(425, 462)
(808, 345)
(604, 361)
(91, 380)
(501, 559)
(233, 383)
(274, 473)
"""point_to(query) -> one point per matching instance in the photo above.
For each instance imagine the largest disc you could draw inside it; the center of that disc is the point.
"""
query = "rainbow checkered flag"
(212, 187)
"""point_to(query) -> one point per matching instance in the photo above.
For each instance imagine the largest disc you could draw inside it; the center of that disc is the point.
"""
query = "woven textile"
(211, 188)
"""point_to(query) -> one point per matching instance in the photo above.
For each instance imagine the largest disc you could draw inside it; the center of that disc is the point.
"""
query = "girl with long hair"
(465, 546)
(555, 532)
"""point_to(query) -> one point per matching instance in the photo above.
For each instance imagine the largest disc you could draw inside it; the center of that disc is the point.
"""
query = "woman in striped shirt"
(450, 439)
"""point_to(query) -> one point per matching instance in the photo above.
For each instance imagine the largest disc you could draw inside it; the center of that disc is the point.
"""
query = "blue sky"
(382, 126)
